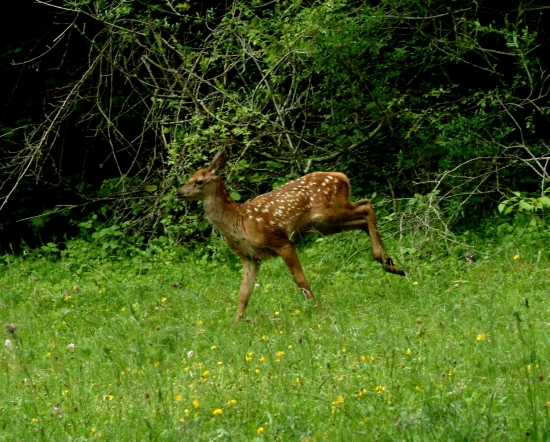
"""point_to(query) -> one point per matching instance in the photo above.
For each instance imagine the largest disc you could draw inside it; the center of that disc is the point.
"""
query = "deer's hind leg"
(365, 208)
(360, 216)
(290, 257)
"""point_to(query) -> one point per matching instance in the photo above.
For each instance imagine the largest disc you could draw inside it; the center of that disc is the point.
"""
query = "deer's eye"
(199, 182)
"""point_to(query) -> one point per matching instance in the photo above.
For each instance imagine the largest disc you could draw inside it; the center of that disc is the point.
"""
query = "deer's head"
(205, 181)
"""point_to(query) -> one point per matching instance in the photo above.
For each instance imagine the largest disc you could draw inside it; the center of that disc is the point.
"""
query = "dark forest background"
(438, 110)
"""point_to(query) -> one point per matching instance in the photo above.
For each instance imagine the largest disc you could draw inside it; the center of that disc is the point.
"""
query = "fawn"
(271, 224)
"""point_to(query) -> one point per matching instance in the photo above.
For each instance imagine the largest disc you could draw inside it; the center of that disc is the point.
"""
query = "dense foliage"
(443, 99)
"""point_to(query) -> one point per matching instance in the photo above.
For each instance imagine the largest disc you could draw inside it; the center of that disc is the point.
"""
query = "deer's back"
(270, 220)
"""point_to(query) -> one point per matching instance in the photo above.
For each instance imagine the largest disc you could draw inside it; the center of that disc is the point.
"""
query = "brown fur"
(270, 224)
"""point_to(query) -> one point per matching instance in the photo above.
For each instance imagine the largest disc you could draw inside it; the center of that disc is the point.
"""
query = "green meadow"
(142, 346)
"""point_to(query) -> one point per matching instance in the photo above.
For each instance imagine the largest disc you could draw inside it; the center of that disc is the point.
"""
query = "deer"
(272, 224)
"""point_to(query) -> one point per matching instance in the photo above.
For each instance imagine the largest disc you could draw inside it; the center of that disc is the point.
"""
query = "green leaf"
(203, 226)
(274, 164)
(523, 205)
(545, 201)
(235, 196)
(151, 188)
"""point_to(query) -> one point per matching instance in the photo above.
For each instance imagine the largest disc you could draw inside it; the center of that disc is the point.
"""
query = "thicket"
(442, 106)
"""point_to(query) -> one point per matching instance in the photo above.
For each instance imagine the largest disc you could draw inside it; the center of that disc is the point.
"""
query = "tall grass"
(144, 348)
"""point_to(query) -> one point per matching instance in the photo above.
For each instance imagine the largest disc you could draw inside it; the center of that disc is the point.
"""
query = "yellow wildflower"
(262, 359)
(196, 403)
(260, 430)
(481, 337)
(217, 411)
(232, 402)
(178, 397)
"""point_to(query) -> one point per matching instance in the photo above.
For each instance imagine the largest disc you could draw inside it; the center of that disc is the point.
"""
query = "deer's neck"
(222, 211)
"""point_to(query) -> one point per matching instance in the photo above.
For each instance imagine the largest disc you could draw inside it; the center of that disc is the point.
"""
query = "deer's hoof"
(394, 269)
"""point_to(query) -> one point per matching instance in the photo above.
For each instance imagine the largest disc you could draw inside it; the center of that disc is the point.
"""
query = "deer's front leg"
(250, 272)
(290, 257)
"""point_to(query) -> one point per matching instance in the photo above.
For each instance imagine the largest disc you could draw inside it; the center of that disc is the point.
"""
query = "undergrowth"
(143, 346)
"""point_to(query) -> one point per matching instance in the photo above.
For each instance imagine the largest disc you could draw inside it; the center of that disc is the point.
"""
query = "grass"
(144, 348)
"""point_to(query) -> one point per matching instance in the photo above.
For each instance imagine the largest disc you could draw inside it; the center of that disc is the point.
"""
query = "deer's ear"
(219, 162)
